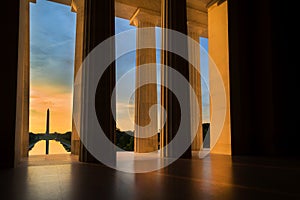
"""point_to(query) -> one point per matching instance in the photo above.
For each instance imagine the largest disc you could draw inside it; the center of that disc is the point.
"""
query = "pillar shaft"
(174, 16)
(22, 118)
(78, 7)
(218, 50)
(195, 81)
(146, 139)
(99, 24)
(9, 58)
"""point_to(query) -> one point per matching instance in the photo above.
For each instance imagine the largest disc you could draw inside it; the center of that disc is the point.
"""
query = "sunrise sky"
(52, 45)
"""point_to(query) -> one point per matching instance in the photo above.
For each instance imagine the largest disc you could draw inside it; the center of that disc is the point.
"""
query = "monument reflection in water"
(50, 138)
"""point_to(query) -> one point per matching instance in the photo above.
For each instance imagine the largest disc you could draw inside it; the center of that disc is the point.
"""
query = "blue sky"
(52, 46)
(52, 43)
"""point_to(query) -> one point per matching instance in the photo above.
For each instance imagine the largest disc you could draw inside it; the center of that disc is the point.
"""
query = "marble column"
(22, 106)
(195, 81)
(78, 7)
(218, 51)
(99, 24)
(9, 58)
(174, 16)
(146, 139)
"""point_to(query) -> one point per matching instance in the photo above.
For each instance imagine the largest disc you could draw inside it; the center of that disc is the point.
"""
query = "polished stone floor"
(214, 177)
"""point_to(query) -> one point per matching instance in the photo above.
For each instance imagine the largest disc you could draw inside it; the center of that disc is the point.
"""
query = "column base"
(146, 145)
(75, 147)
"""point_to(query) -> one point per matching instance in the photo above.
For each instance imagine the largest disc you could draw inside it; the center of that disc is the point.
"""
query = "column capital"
(77, 5)
(196, 27)
(142, 15)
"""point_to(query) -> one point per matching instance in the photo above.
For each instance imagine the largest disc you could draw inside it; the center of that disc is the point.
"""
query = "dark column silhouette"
(100, 25)
(260, 78)
(8, 81)
(175, 17)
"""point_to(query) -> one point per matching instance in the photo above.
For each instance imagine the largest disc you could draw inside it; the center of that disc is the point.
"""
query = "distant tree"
(125, 140)
(205, 128)
(206, 136)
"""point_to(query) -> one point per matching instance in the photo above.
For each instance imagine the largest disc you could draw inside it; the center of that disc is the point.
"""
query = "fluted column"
(174, 16)
(218, 51)
(99, 24)
(146, 139)
(195, 81)
(23, 87)
(78, 7)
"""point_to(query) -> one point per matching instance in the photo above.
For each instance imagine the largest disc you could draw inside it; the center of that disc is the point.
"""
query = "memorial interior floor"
(214, 177)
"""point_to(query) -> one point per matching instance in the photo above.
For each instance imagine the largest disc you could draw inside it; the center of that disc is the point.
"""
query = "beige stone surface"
(146, 96)
(195, 81)
(22, 112)
(78, 7)
(218, 50)
(196, 10)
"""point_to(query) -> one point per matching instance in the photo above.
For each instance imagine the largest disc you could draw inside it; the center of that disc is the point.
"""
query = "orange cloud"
(60, 105)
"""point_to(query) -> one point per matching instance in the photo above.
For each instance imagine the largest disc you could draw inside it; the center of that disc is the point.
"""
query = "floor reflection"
(215, 177)
(54, 148)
